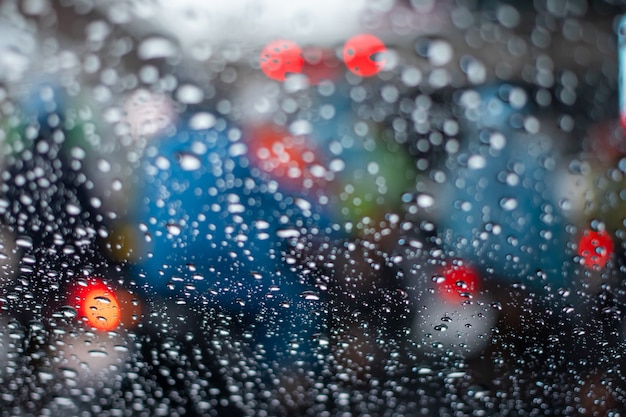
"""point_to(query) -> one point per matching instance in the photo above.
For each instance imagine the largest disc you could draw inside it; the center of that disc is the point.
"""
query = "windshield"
(370, 207)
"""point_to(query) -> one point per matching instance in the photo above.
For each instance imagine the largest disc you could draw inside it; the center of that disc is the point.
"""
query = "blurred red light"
(281, 57)
(359, 54)
(459, 282)
(97, 304)
(595, 248)
(287, 158)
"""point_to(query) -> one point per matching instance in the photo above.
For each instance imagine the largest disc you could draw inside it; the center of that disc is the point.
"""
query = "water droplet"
(476, 162)
(116, 184)
(189, 94)
(95, 353)
(24, 242)
(310, 295)
(156, 47)
(104, 165)
(288, 233)
(321, 339)
(68, 312)
(69, 373)
(508, 204)
(425, 200)
(45, 376)
(202, 120)
(439, 52)
(188, 162)
(103, 299)
(72, 209)
(173, 229)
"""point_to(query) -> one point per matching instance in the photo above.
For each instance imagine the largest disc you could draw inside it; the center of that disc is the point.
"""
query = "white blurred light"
(253, 22)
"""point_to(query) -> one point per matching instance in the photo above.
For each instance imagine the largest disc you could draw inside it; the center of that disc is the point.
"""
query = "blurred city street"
(316, 208)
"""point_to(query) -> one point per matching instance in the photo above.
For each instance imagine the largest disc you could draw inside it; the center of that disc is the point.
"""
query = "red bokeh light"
(281, 57)
(287, 158)
(359, 55)
(595, 248)
(459, 282)
(96, 304)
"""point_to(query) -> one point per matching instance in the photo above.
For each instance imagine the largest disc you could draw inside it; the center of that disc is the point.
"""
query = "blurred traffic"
(384, 218)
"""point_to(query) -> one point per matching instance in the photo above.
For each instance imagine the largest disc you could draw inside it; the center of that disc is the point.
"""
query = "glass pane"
(369, 207)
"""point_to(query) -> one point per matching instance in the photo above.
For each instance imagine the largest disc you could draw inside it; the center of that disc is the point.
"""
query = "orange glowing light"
(279, 58)
(97, 304)
(595, 248)
(360, 52)
(459, 282)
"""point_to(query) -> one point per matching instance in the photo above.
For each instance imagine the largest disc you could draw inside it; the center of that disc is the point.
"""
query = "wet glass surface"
(393, 208)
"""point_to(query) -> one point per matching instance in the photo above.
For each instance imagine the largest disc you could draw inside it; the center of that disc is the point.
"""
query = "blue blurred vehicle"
(218, 231)
(498, 209)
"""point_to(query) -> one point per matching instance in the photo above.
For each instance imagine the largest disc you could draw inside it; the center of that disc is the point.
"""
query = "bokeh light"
(287, 158)
(459, 282)
(595, 248)
(97, 304)
(360, 55)
(280, 58)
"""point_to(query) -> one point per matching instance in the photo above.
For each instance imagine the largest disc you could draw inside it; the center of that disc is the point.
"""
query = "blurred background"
(372, 207)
